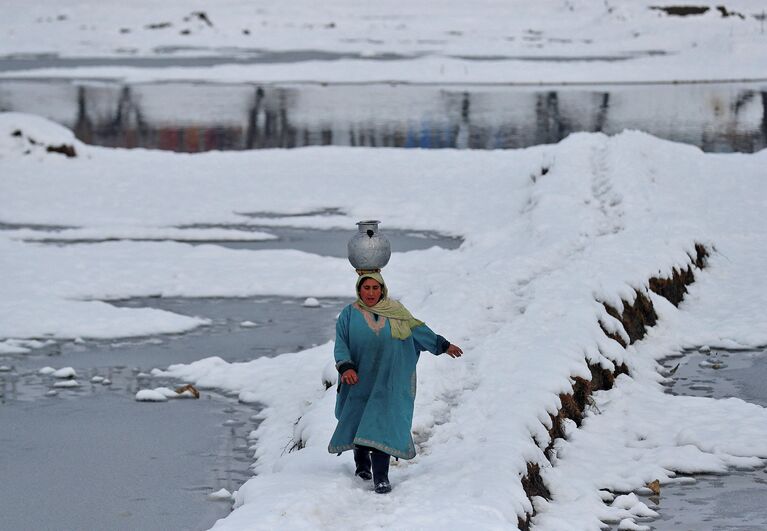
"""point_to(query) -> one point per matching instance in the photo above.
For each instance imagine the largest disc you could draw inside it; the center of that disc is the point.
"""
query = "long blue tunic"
(378, 410)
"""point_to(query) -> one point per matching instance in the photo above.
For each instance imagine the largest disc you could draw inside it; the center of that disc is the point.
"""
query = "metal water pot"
(369, 249)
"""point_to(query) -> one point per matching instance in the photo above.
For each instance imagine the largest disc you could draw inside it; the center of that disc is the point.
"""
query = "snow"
(67, 383)
(66, 372)
(15, 346)
(151, 395)
(550, 233)
(220, 495)
(158, 394)
(628, 524)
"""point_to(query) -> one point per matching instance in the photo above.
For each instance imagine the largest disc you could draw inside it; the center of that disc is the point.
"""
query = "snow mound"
(220, 495)
(163, 394)
(67, 384)
(151, 395)
(627, 524)
(66, 372)
(26, 133)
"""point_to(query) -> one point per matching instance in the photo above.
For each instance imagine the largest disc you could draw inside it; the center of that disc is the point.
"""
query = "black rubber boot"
(380, 471)
(362, 462)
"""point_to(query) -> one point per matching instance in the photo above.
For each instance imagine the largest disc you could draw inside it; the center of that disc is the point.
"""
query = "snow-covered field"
(551, 233)
(432, 41)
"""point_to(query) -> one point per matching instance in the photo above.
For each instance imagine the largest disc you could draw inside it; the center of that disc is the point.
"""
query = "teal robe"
(378, 410)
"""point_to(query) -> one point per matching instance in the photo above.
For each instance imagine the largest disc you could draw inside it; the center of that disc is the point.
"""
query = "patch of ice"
(12, 347)
(67, 383)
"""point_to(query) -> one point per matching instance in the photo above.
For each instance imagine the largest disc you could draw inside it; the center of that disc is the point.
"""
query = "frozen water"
(737, 499)
(102, 461)
(144, 466)
(721, 373)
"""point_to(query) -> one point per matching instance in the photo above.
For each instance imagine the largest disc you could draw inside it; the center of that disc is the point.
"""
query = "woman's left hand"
(454, 351)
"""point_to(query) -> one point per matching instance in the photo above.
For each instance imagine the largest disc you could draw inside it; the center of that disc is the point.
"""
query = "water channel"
(91, 457)
(192, 117)
(330, 242)
(734, 501)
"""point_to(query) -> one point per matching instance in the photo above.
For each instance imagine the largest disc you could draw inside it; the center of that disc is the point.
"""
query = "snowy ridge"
(552, 234)
(626, 326)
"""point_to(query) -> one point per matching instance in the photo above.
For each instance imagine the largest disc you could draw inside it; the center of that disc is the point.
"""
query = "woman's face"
(370, 292)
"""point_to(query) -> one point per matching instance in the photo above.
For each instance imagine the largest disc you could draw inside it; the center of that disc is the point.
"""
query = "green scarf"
(400, 319)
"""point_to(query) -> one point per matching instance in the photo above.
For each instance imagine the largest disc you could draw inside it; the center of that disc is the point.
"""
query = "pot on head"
(369, 249)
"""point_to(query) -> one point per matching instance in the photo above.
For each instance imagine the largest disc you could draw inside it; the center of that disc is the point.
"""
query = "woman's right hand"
(349, 377)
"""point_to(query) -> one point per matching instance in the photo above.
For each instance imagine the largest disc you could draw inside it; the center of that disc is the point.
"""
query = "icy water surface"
(100, 460)
(193, 117)
(737, 500)
(325, 242)
(93, 458)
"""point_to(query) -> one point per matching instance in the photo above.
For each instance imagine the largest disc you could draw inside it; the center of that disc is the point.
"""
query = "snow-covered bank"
(550, 232)
(548, 41)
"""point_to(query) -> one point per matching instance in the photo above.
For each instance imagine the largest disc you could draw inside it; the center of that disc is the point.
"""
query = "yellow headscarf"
(400, 319)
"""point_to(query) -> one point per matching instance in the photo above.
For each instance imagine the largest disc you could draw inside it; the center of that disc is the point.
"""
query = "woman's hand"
(454, 351)
(349, 376)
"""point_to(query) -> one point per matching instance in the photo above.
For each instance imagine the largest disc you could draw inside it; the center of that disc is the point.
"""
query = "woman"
(377, 347)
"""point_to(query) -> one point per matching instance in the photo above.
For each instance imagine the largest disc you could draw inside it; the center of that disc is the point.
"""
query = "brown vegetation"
(64, 149)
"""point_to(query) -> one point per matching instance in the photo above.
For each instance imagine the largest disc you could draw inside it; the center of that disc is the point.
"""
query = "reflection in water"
(199, 117)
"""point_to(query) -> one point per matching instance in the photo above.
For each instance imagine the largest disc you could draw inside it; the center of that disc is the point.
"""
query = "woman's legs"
(365, 458)
(380, 461)
(362, 462)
